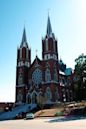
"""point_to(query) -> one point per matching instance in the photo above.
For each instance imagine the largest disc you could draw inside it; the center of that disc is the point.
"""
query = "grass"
(59, 110)
(48, 112)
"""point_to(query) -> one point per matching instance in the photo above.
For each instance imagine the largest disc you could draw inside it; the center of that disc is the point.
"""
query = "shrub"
(59, 113)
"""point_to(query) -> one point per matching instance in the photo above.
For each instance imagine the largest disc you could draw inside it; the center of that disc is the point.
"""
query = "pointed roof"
(24, 39)
(49, 28)
(36, 61)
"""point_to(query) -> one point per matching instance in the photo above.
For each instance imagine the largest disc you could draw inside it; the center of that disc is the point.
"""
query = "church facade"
(47, 77)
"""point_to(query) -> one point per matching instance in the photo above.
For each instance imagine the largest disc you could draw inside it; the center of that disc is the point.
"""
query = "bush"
(59, 113)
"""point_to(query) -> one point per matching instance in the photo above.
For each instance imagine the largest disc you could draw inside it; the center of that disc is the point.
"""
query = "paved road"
(42, 124)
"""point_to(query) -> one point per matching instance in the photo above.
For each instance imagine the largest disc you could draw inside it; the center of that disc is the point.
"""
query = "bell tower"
(49, 44)
(23, 64)
(50, 63)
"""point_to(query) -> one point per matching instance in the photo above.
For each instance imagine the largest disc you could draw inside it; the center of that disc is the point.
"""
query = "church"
(47, 77)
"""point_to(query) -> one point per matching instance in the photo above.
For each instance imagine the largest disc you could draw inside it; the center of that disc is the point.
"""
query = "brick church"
(47, 77)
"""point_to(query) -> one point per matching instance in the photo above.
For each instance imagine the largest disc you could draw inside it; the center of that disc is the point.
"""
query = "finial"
(24, 23)
(48, 11)
(36, 52)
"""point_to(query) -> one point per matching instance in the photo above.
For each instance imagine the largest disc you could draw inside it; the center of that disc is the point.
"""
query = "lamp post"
(64, 99)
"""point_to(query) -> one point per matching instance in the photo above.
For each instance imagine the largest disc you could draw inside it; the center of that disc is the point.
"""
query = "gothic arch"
(28, 98)
(19, 97)
(47, 73)
(40, 93)
(20, 78)
(57, 97)
(47, 65)
(55, 75)
(34, 97)
(46, 45)
(48, 94)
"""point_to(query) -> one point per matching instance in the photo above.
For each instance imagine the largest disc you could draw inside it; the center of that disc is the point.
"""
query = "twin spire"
(48, 33)
(24, 39)
(49, 28)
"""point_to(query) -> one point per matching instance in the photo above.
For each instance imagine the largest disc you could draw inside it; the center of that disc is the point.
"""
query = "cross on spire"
(36, 52)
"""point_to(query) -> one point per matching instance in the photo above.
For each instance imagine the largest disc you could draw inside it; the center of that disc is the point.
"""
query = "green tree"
(40, 102)
(80, 75)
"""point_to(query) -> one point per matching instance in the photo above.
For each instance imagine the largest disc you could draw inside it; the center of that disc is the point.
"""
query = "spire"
(49, 28)
(24, 39)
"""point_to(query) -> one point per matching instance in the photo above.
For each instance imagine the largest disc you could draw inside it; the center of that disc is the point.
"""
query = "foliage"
(80, 74)
(60, 113)
(62, 66)
(40, 102)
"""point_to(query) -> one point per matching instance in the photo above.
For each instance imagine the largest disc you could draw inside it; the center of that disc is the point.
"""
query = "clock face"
(37, 76)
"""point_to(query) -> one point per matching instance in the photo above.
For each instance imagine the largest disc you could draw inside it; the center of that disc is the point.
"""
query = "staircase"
(19, 109)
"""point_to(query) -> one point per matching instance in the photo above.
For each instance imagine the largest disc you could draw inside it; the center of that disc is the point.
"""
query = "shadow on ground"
(68, 118)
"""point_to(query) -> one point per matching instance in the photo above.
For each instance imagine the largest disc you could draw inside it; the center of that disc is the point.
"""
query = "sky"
(68, 20)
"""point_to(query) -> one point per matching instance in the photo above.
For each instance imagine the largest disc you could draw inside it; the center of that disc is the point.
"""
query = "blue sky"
(68, 20)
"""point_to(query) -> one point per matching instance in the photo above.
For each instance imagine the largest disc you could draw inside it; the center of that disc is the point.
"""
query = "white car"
(29, 116)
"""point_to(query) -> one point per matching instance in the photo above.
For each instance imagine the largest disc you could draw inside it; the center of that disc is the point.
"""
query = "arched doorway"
(34, 97)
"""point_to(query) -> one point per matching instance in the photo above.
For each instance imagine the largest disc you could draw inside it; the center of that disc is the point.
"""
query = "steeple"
(49, 44)
(49, 28)
(24, 39)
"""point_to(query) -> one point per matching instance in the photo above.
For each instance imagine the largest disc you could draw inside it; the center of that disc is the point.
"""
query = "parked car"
(29, 116)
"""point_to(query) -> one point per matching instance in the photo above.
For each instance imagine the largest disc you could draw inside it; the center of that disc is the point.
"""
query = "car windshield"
(29, 114)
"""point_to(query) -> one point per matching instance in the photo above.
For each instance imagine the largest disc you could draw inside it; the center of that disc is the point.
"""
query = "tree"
(80, 75)
(41, 101)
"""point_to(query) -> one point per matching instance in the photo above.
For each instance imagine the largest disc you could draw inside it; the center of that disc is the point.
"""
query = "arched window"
(46, 44)
(20, 78)
(19, 97)
(48, 94)
(55, 75)
(47, 75)
(56, 94)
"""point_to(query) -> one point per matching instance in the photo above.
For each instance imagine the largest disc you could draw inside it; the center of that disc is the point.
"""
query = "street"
(42, 123)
